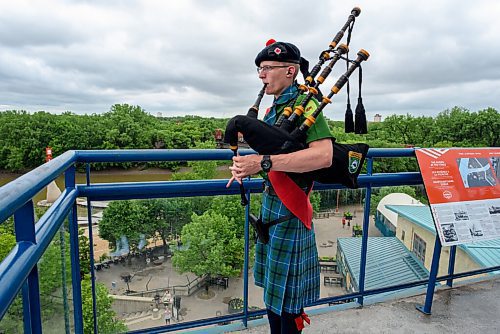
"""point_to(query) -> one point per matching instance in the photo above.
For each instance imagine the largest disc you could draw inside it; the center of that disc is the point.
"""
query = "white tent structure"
(387, 220)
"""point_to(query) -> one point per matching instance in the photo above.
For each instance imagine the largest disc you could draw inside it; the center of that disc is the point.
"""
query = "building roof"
(388, 262)
(485, 253)
(395, 199)
(418, 214)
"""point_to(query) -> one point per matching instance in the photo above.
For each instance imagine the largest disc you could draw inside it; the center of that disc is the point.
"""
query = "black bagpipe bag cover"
(268, 139)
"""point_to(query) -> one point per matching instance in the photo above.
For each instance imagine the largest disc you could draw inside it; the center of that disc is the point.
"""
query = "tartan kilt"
(287, 267)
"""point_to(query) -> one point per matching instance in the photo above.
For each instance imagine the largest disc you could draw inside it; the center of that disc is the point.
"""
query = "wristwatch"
(266, 163)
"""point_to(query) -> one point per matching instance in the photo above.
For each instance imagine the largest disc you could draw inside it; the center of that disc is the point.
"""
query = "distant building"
(159, 114)
(377, 118)
(415, 228)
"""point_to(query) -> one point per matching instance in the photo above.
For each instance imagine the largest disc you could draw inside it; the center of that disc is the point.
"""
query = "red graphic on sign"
(457, 175)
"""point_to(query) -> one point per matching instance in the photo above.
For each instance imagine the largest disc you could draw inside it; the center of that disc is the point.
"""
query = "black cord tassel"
(360, 116)
(349, 120)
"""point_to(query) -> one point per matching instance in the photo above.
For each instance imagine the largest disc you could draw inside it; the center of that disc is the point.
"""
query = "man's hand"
(244, 166)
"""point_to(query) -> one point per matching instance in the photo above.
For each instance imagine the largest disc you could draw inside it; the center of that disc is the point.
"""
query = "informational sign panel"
(463, 186)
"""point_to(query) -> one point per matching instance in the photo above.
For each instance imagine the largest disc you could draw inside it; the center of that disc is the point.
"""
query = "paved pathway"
(193, 307)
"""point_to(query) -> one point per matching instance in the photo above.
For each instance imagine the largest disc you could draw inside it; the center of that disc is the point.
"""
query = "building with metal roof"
(415, 228)
(388, 263)
(385, 219)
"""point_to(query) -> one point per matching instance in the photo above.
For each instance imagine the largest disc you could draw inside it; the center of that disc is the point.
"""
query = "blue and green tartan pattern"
(287, 267)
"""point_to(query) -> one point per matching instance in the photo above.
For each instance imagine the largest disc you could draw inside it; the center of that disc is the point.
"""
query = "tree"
(84, 252)
(106, 316)
(166, 217)
(487, 127)
(212, 246)
(7, 238)
(315, 199)
(124, 218)
(179, 211)
(200, 170)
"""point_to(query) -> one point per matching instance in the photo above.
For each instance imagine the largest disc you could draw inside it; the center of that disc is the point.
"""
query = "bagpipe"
(287, 135)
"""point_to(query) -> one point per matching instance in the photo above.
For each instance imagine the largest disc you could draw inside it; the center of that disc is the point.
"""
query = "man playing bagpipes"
(295, 149)
(287, 266)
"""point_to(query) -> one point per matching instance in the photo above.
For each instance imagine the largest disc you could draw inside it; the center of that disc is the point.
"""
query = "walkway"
(472, 308)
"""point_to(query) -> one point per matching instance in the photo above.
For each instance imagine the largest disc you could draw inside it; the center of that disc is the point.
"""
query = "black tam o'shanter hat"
(279, 51)
(287, 53)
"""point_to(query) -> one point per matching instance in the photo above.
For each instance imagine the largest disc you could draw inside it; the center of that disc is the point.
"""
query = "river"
(110, 176)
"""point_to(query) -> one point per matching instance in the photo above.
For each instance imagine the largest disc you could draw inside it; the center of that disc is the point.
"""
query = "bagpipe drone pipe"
(287, 135)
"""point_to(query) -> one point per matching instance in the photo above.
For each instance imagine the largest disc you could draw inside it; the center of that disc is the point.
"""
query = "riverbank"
(113, 175)
(6, 176)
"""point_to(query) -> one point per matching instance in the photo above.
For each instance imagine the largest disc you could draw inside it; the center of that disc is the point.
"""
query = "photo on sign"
(494, 210)
(495, 163)
(449, 232)
(477, 172)
(475, 229)
(461, 215)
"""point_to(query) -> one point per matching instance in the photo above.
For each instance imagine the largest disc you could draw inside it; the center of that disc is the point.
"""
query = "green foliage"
(212, 246)
(50, 267)
(7, 238)
(106, 317)
(315, 199)
(200, 170)
(12, 321)
(357, 231)
(163, 217)
(25, 136)
(124, 218)
(84, 252)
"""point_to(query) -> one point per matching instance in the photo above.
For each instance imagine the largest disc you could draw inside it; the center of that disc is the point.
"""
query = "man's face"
(276, 75)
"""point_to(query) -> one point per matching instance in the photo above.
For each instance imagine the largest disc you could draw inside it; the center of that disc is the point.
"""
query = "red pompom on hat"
(271, 41)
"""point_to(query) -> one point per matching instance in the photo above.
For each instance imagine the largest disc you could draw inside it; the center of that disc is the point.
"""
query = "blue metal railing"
(18, 271)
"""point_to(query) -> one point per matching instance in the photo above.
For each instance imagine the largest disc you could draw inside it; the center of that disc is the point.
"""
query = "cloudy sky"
(197, 57)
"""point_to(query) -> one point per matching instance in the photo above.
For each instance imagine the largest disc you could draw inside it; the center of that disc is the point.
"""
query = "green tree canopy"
(124, 218)
(211, 246)
(106, 316)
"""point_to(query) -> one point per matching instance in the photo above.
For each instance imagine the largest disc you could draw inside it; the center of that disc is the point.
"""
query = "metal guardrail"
(19, 266)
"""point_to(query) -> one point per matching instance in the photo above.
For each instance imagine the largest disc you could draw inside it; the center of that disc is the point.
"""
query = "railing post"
(91, 255)
(24, 225)
(364, 236)
(451, 265)
(426, 309)
(245, 262)
(75, 256)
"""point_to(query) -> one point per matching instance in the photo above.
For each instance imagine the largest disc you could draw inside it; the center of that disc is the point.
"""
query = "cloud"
(197, 57)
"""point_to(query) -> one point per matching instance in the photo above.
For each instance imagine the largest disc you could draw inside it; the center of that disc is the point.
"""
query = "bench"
(338, 302)
(328, 266)
(333, 280)
(220, 282)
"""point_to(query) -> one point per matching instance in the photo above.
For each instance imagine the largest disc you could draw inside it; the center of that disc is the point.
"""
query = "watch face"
(266, 165)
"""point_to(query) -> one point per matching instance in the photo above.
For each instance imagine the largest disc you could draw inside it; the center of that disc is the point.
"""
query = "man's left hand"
(244, 166)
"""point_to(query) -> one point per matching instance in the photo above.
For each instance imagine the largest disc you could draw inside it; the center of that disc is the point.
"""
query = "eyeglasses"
(267, 68)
